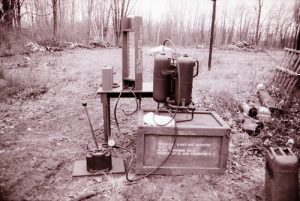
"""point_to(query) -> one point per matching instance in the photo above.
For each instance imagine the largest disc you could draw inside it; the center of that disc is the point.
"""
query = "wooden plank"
(275, 76)
(290, 82)
(284, 66)
(292, 50)
(287, 73)
(286, 81)
(292, 61)
(278, 72)
(138, 33)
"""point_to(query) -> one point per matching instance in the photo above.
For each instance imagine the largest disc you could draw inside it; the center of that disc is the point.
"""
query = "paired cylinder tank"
(174, 79)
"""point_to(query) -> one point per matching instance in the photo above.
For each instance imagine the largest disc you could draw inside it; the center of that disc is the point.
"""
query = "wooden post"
(212, 33)
(132, 25)
(138, 53)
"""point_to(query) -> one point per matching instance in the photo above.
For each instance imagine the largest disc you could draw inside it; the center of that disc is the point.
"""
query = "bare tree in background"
(18, 13)
(120, 9)
(90, 9)
(231, 28)
(10, 18)
(8, 11)
(186, 22)
(105, 10)
(223, 27)
(260, 4)
(54, 7)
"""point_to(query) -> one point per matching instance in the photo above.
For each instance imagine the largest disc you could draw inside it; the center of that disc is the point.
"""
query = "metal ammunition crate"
(201, 145)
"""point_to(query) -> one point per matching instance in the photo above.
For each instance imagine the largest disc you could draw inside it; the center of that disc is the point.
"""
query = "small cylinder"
(107, 78)
(251, 111)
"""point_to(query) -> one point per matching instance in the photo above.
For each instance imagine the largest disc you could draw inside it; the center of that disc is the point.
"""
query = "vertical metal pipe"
(212, 30)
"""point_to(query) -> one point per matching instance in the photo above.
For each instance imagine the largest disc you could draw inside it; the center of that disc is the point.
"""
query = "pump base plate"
(80, 169)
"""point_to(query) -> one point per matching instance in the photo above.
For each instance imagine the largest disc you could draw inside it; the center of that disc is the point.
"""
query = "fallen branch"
(268, 101)
(85, 46)
(86, 196)
(7, 54)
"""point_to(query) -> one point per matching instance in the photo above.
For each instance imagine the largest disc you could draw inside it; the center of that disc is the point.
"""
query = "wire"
(154, 170)
(115, 111)
(175, 128)
(172, 44)
(158, 109)
(173, 117)
(137, 104)
(116, 105)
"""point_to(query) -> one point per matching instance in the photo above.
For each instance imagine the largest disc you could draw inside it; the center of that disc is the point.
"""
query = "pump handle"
(84, 104)
(197, 71)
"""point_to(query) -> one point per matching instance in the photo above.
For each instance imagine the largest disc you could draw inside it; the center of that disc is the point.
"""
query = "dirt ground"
(42, 136)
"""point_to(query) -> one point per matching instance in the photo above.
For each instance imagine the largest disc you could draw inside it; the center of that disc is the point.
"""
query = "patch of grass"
(23, 77)
(21, 93)
(6, 92)
(23, 83)
(224, 103)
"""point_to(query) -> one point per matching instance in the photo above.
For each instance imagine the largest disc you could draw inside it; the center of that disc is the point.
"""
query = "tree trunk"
(73, 14)
(7, 12)
(120, 9)
(19, 15)
(54, 6)
(90, 9)
(260, 4)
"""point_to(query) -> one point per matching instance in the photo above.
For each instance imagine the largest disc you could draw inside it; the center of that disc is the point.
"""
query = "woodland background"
(265, 23)
(44, 129)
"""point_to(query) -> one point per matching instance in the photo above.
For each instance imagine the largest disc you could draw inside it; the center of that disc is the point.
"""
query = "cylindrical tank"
(251, 111)
(281, 176)
(184, 80)
(161, 81)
